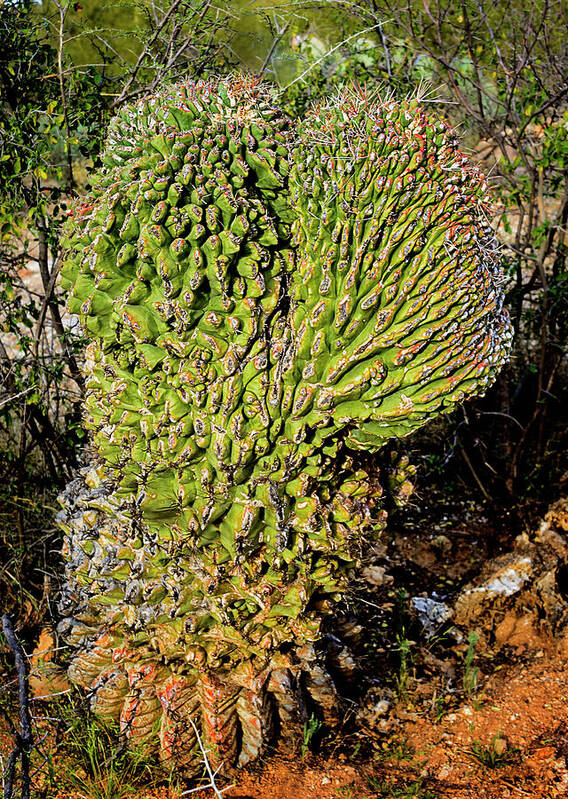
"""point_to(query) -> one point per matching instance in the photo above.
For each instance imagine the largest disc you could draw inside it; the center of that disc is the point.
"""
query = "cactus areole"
(263, 298)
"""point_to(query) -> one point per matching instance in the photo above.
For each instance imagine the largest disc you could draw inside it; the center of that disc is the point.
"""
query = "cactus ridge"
(263, 298)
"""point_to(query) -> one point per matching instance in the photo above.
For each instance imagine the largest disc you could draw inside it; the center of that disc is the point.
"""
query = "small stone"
(381, 708)
(431, 613)
(376, 575)
(500, 745)
(444, 772)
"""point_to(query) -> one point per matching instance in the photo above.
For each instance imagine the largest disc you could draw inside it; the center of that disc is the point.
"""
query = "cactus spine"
(262, 299)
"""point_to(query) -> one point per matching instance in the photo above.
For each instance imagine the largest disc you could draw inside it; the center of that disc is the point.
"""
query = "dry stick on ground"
(24, 738)
(210, 773)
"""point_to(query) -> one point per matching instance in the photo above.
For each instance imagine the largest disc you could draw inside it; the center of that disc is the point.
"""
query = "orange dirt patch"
(521, 721)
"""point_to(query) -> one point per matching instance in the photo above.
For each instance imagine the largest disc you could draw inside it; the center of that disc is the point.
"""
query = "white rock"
(431, 613)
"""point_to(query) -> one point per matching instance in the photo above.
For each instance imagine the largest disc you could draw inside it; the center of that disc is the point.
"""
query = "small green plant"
(493, 755)
(346, 792)
(356, 750)
(311, 727)
(402, 678)
(471, 674)
(439, 706)
(388, 790)
(398, 749)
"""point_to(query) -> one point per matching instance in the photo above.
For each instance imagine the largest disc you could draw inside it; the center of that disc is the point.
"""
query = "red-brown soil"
(522, 714)
(519, 717)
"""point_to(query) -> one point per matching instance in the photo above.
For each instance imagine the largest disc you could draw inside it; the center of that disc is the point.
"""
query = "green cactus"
(263, 299)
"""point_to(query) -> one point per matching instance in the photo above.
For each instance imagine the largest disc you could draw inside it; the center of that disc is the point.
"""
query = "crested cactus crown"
(263, 299)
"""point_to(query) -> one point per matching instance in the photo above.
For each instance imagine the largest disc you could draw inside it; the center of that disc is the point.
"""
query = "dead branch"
(24, 738)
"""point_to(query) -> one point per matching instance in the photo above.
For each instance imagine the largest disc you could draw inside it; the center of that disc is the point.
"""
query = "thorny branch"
(24, 738)
(63, 9)
(180, 32)
(275, 42)
(210, 773)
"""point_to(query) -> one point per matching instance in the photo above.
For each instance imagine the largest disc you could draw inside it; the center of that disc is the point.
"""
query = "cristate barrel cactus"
(263, 299)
